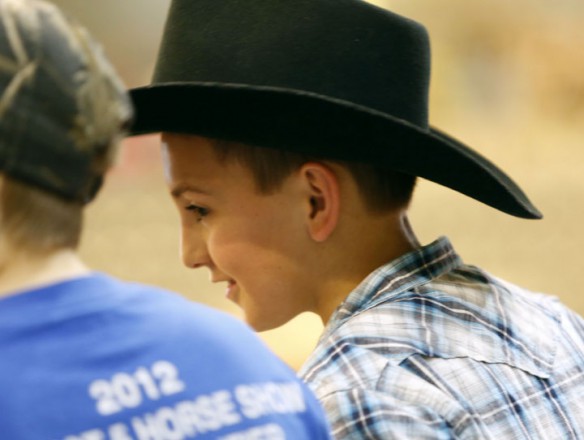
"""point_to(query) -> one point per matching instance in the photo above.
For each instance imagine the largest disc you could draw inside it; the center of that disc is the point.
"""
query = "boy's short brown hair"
(382, 189)
(36, 221)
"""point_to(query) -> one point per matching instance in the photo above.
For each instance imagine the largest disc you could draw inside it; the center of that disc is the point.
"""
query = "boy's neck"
(380, 242)
(20, 271)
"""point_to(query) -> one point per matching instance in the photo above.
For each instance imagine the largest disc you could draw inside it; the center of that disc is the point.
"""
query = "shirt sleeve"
(366, 414)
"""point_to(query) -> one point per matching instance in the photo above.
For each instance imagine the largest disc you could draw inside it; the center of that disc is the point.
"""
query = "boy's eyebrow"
(181, 188)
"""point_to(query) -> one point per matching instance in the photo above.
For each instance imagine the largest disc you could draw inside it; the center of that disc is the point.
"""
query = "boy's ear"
(323, 199)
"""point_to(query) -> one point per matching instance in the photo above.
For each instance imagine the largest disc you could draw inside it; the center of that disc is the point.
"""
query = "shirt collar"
(404, 273)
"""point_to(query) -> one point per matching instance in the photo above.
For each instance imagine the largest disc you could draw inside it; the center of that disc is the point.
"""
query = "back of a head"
(62, 112)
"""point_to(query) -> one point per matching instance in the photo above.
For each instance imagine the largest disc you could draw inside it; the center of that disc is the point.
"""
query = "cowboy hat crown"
(338, 79)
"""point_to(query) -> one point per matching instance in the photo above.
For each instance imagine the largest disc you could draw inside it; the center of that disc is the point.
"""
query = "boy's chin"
(260, 326)
(263, 323)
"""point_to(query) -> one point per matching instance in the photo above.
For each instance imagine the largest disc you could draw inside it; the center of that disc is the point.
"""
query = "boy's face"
(253, 242)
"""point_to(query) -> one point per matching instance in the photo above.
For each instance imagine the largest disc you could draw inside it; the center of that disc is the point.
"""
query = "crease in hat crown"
(339, 78)
(61, 103)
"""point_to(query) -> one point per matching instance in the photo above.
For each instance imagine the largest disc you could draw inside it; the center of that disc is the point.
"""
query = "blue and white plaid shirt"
(429, 348)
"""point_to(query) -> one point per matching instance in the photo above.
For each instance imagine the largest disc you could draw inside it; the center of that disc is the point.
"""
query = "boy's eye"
(199, 211)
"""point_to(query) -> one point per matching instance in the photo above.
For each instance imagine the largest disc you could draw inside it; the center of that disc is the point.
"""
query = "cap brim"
(320, 126)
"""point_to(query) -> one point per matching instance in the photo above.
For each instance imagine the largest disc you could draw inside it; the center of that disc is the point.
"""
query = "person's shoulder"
(143, 308)
(173, 306)
(174, 323)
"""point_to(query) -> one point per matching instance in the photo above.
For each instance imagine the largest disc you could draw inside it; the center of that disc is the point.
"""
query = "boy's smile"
(252, 241)
(231, 291)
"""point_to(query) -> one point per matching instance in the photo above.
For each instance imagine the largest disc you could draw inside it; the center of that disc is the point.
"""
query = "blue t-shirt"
(95, 358)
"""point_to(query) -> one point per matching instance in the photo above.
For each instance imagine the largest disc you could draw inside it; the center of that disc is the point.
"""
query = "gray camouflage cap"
(62, 105)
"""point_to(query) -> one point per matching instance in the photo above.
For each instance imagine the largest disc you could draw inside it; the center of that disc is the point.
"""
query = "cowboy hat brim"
(321, 126)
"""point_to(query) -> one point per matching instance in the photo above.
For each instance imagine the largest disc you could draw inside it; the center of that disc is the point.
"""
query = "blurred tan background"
(508, 79)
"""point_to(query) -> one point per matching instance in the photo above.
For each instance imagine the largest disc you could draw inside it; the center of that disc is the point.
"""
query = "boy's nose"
(194, 250)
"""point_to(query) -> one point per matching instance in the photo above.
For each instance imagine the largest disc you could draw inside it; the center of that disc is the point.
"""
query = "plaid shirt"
(429, 348)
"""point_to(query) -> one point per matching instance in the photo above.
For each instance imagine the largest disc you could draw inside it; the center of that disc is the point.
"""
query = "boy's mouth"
(231, 291)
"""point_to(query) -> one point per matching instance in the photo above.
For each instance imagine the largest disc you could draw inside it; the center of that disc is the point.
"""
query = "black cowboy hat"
(338, 79)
